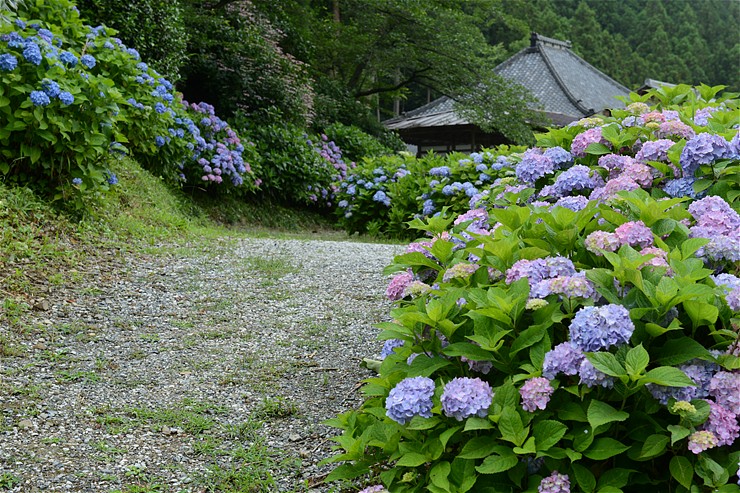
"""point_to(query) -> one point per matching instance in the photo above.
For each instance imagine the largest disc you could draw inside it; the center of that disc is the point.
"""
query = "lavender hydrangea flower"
(701, 117)
(555, 483)
(700, 441)
(560, 157)
(388, 347)
(612, 187)
(398, 285)
(596, 328)
(586, 138)
(538, 269)
(723, 424)
(639, 173)
(591, 377)
(705, 148)
(465, 397)
(533, 166)
(634, 234)
(714, 217)
(727, 282)
(654, 150)
(536, 394)
(733, 300)
(575, 286)
(602, 240)
(479, 218)
(575, 203)
(411, 397)
(614, 163)
(374, 489)
(564, 358)
(725, 388)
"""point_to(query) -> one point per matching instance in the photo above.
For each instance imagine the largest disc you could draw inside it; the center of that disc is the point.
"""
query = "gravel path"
(208, 369)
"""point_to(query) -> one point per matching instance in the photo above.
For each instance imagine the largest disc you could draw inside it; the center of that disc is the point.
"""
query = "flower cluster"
(718, 222)
(596, 328)
(555, 483)
(536, 393)
(465, 397)
(411, 397)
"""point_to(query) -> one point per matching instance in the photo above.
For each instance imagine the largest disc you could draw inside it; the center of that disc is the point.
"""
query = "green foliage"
(355, 143)
(236, 63)
(478, 299)
(155, 27)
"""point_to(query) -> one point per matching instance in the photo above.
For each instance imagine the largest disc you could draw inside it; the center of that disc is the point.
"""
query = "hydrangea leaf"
(497, 463)
(603, 448)
(547, 433)
(667, 376)
(584, 477)
(682, 470)
(600, 413)
(678, 433)
(654, 446)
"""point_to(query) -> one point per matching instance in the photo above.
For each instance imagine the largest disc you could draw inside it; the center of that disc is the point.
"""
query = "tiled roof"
(565, 85)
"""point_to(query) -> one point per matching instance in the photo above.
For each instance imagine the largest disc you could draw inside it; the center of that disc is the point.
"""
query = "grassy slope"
(41, 245)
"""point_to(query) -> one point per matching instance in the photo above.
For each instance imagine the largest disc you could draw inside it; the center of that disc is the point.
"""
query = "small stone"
(166, 430)
(294, 437)
(25, 424)
(41, 305)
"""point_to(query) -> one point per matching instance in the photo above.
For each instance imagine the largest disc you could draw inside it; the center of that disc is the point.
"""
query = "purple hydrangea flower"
(700, 441)
(575, 286)
(465, 397)
(578, 177)
(699, 371)
(723, 424)
(555, 483)
(388, 347)
(705, 148)
(39, 98)
(614, 163)
(479, 218)
(654, 150)
(591, 377)
(398, 285)
(675, 128)
(612, 187)
(714, 217)
(536, 394)
(595, 328)
(8, 62)
(725, 388)
(634, 234)
(538, 269)
(411, 397)
(374, 489)
(564, 358)
(659, 260)
(586, 138)
(602, 240)
(533, 166)
(639, 173)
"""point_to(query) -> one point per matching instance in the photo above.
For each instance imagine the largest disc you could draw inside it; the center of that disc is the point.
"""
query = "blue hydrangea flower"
(578, 177)
(411, 397)
(381, 197)
(77, 181)
(533, 166)
(66, 98)
(428, 208)
(465, 397)
(681, 187)
(440, 171)
(591, 377)
(39, 98)
(559, 157)
(68, 58)
(32, 53)
(699, 371)
(8, 62)
(501, 162)
(342, 204)
(727, 282)
(50, 87)
(481, 167)
(388, 347)
(112, 179)
(575, 203)
(88, 61)
(133, 53)
(595, 328)
(159, 141)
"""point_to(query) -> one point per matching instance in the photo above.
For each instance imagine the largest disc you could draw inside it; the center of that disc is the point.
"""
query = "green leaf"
(412, 459)
(496, 463)
(527, 338)
(636, 360)
(478, 447)
(424, 367)
(701, 313)
(681, 470)
(347, 471)
(548, 433)
(584, 477)
(678, 433)
(603, 448)
(597, 149)
(680, 350)
(668, 376)
(606, 363)
(475, 423)
(439, 474)
(511, 427)
(654, 446)
(600, 413)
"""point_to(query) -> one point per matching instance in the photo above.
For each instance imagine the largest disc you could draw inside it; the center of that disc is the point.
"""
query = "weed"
(276, 407)
(9, 480)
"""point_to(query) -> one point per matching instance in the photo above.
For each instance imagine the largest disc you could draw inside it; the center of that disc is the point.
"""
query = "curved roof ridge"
(598, 72)
(576, 102)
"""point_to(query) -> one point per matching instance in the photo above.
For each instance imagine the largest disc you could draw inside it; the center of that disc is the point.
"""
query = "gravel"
(169, 370)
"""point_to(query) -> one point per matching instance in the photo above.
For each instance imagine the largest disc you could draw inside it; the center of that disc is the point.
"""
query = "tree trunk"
(335, 7)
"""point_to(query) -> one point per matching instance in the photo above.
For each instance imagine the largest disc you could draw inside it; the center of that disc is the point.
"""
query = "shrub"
(355, 143)
(155, 27)
(74, 97)
(600, 315)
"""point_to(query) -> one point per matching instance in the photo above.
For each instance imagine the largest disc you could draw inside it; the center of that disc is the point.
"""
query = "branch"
(376, 90)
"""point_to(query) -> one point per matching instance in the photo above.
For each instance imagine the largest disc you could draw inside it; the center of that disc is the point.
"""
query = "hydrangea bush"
(585, 345)
(74, 96)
